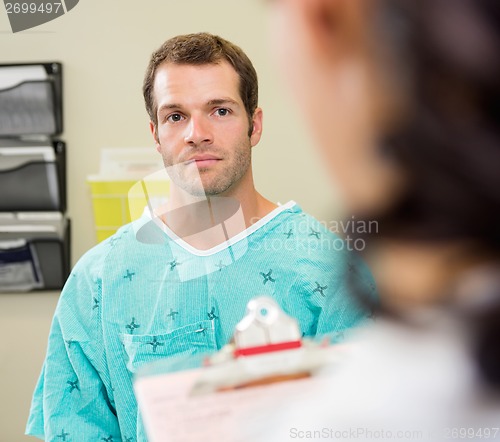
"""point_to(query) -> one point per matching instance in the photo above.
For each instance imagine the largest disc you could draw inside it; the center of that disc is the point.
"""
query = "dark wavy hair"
(448, 144)
(199, 49)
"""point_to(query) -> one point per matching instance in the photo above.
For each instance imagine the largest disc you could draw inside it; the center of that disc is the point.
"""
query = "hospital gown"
(144, 294)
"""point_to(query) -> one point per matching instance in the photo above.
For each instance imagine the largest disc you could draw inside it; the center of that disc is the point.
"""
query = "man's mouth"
(204, 160)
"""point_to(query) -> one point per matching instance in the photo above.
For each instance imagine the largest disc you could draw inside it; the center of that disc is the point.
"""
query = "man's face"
(202, 127)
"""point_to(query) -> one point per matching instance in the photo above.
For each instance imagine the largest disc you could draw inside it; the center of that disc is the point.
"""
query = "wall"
(104, 47)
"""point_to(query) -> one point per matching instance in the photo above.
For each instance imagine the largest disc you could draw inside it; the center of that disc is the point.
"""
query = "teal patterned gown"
(144, 294)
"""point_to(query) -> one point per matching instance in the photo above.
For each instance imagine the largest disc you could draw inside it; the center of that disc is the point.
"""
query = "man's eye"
(174, 118)
(222, 112)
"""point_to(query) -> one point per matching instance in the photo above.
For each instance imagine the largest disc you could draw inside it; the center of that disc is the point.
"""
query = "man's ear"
(335, 27)
(154, 132)
(256, 127)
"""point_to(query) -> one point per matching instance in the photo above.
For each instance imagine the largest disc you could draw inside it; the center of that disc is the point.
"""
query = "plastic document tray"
(31, 99)
(34, 252)
(32, 176)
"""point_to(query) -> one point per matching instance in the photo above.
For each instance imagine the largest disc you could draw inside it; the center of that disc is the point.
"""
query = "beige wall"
(104, 47)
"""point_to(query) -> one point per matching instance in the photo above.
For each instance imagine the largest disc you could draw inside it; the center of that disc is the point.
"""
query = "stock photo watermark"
(348, 236)
(25, 15)
(354, 433)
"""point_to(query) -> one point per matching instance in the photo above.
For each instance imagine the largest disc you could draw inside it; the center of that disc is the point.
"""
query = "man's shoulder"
(307, 240)
(94, 257)
(307, 227)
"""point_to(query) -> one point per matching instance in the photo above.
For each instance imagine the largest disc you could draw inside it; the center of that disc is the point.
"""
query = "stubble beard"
(195, 181)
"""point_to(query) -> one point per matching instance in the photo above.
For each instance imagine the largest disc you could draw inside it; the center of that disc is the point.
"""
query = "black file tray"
(54, 259)
(52, 255)
(35, 185)
(32, 107)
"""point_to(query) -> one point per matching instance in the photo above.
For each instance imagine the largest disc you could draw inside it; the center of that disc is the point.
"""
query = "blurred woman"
(403, 97)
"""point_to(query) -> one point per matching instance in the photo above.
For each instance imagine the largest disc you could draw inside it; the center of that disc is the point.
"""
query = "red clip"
(269, 348)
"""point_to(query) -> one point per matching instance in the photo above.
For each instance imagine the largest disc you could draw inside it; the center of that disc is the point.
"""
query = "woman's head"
(404, 99)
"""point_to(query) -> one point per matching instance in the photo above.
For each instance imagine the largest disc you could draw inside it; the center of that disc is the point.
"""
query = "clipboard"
(266, 363)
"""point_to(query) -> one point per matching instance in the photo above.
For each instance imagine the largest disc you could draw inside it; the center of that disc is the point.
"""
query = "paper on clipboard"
(171, 414)
(224, 402)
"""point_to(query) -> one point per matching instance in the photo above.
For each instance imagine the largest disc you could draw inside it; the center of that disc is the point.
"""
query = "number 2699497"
(33, 8)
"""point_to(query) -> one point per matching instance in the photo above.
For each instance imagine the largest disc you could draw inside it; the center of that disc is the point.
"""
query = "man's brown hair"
(199, 49)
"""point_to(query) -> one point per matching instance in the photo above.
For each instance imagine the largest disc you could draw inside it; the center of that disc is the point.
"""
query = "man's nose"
(199, 132)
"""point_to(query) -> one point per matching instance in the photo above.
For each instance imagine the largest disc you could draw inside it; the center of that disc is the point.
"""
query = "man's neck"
(205, 222)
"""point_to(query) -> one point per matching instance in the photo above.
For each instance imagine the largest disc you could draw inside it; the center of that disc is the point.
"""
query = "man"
(175, 282)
